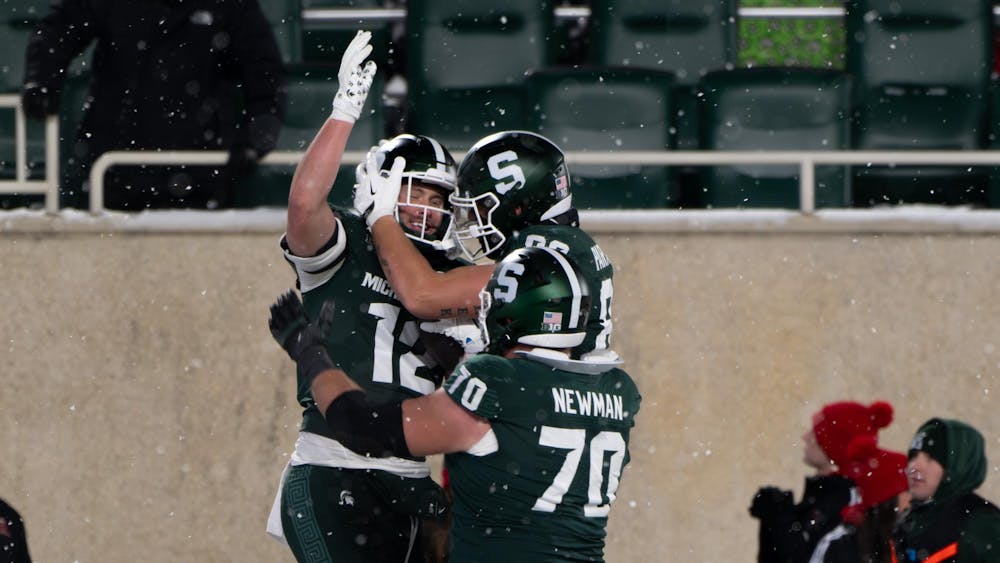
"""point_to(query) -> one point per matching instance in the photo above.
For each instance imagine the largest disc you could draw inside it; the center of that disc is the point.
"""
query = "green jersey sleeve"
(475, 385)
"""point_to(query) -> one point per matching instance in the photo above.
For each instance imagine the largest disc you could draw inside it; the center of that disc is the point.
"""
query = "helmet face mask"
(506, 182)
(422, 212)
(473, 230)
(430, 174)
(535, 297)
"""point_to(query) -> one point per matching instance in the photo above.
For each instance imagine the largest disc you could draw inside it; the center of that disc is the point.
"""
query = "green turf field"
(791, 42)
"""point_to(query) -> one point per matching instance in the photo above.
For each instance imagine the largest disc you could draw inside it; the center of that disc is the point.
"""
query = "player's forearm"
(330, 384)
(436, 424)
(409, 273)
(310, 220)
(426, 293)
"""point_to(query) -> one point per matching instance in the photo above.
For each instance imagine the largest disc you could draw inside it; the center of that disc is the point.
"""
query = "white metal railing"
(47, 186)
(193, 158)
(366, 15)
(805, 160)
(375, 15)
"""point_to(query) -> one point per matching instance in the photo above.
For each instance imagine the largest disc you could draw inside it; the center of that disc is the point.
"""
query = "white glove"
(360, 176)
(355, 80)
(376, 197)
(464, 332)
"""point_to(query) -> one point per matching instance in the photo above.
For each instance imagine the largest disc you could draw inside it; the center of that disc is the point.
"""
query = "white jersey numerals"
(474, 391)
(385, 327)
(603, 341)
(575, 440)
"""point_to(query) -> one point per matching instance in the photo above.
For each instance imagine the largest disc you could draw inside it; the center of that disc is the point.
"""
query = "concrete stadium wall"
(146, 413)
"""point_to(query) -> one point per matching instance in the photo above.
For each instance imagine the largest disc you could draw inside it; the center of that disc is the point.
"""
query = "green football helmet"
(506, 182)
(428, 164)
(536, 296)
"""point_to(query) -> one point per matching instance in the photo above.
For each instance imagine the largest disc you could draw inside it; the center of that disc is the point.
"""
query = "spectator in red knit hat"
(789, 532)
(865, 535)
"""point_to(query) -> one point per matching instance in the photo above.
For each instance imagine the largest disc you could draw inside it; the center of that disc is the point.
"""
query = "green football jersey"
(372, 337)
(543, 489)
(595, 267)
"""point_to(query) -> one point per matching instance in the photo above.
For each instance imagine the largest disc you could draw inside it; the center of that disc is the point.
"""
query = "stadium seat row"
(659, 74)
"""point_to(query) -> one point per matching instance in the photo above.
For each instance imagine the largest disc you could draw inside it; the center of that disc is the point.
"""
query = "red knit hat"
(879, 474)
(837, 425)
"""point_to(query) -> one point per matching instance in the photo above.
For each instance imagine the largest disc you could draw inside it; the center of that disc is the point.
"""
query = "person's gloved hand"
(376, 197)
(355, 80)
(291, 327)
(38, 101)
(360, 174)
(464, 332)
(770, 501)
(242, 162)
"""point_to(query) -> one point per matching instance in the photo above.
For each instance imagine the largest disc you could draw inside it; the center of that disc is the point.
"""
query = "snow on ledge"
(901, 219)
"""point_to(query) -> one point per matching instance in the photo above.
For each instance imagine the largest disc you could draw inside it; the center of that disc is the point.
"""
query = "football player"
(334, 504)
(513, 192)
(535, 441)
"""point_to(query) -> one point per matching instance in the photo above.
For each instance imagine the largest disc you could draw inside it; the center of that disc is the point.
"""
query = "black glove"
(291, 327)
(770, 501)
(242, 162)
(39, 101)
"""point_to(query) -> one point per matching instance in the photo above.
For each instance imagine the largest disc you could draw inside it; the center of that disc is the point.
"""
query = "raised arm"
(310, 221)
(426, 293)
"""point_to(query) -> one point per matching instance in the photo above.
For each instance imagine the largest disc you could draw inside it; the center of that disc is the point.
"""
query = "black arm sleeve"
(371, 430)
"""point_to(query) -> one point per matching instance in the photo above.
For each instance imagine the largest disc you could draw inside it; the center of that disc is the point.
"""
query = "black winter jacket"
(789, 533)
(164, 73)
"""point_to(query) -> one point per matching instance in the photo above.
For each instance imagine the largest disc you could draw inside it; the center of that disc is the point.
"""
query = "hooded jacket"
(955, 519)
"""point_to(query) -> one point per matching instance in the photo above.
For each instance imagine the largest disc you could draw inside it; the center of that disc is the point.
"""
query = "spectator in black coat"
(13, 540)
(865, 536)
(166, 74)
(789, 532)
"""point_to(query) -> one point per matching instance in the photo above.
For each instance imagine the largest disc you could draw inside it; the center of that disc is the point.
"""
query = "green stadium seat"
(310, 94)
(324, 42)
(285, 17)
(70, 113)
(17, 22)
(774, 109)
(922, 70)
(466, 61)
(15, 35)
(686, 37)
(993, 195)
(608, 109)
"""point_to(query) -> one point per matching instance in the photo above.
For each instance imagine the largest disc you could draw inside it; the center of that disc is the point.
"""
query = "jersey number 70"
(575, 440)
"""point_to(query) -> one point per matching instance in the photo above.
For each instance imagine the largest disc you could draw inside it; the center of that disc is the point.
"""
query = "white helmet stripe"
(439, 157)
(574, 283)
(561, 206)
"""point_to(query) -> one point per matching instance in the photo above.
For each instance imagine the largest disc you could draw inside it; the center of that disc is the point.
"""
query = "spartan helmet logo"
(346, 498)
